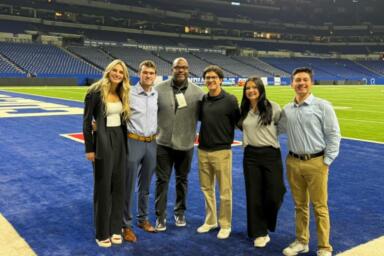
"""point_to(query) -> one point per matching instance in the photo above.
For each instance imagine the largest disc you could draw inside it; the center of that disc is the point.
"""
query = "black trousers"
(109, 178)
(167, 158)
(264, 185)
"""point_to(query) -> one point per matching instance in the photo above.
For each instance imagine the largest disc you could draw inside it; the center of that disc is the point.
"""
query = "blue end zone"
(46, 189)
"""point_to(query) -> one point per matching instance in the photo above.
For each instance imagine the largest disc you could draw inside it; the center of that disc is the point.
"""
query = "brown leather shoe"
(146, 226)
(129, 236)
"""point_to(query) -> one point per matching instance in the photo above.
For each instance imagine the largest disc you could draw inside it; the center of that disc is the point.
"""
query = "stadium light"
(235, 3)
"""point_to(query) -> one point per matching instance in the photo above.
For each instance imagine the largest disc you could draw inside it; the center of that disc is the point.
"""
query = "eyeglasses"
(181, 67)
(211, 77)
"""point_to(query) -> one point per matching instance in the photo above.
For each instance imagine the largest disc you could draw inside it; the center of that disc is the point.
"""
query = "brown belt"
(141, 138)
(306, 157)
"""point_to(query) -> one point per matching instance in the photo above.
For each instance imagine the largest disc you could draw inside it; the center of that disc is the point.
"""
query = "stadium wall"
(38, 81)
(80, 79)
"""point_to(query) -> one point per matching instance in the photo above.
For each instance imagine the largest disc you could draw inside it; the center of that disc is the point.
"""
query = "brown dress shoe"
(129, 236)
(146, 226)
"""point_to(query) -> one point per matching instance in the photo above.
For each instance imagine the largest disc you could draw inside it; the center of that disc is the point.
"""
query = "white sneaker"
(295, 248)
(104, 243)
(323, 252)
(261, 241)
(224, 233)
(116, 239)
(205, 228)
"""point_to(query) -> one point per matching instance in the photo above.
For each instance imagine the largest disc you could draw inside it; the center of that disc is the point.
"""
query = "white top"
(114, 110)
(258, 135)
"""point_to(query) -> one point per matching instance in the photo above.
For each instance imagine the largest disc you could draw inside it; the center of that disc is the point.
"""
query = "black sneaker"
(180, 221)
(160, 225)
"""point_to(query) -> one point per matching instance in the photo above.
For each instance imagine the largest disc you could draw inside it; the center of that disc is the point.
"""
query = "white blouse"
(114, 110)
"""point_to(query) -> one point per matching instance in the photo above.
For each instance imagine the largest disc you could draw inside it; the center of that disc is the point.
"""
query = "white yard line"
(358, 110)
(362, 121)
(369, 141)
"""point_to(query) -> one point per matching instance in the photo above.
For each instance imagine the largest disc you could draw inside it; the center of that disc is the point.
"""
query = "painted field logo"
(79, 137)
(23, 107)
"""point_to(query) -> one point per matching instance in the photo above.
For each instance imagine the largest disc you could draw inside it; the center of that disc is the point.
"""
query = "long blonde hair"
(123, 89)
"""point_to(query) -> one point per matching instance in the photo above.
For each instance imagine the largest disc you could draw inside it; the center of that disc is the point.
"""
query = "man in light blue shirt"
(313, 143)
(142, 129)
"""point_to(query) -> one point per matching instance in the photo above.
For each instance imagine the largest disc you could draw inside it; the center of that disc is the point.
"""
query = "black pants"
(167, 158)
(263, 173)
(109, 186)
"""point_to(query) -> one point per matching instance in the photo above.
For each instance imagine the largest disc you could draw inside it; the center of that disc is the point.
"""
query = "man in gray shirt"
(179, 104)
(313, 143)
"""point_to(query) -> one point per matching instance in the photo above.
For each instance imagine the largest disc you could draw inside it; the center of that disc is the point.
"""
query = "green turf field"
(360, 109)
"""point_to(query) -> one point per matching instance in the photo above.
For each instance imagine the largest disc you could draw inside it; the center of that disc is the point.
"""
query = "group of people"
(133, 132)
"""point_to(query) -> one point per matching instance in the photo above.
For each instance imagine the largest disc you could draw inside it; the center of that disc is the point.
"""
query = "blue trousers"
(141, 164)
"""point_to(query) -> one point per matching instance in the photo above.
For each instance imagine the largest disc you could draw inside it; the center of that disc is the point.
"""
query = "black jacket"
(97, 141)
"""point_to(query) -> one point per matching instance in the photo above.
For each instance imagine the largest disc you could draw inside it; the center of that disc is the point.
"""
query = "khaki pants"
(212, 165)
(309, 183)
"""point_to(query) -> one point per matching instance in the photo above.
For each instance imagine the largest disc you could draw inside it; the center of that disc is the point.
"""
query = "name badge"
(181, 102)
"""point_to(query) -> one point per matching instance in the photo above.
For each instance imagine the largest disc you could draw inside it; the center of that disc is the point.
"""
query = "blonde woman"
(107, 102)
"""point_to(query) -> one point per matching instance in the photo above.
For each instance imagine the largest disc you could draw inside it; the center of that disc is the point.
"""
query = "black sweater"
(218, 117)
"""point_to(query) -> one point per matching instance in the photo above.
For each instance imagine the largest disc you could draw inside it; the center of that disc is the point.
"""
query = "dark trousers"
(167, 158)
(264, 185)
(109, 186)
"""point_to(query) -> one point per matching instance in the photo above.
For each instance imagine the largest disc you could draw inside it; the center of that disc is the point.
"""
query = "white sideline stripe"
(57, 98)
(11, 243)
(372, 248)
(370, 141)
(71, 92)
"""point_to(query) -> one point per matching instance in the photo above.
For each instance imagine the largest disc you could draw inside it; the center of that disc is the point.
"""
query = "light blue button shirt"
(311, 128)
(143, 119)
